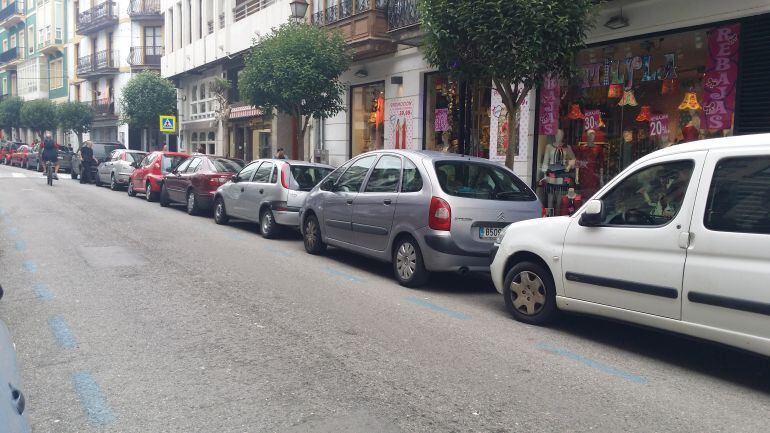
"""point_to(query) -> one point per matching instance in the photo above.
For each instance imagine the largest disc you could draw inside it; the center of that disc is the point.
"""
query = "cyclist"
(51, 153)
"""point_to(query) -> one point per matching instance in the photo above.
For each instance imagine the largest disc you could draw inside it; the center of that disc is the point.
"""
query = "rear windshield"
(105, 149)
(168, 163)
(481, 181)
(306, 177)
(135, 156)
(223, 165)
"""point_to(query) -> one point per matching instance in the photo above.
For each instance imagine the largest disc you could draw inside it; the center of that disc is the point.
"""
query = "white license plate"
(489, 232)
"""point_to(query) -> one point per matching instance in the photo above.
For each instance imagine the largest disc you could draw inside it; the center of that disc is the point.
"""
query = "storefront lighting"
(628, 99)
(298, 9)
(644, 114)
(690, 102)
(615, 91)
(575, 113)
(361, 73)
(617, 22)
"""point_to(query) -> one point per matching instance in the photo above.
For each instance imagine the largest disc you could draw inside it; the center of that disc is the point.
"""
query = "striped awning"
(244, 111)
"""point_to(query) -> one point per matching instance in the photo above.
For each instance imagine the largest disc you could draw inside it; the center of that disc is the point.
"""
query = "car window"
(149, 159)
(412, 181)
(332, 178)
(354, 176)
(263, 172)
(193, 165)
(223, 165)
(385, 175)
(305, 177)
(650, 197)
(169, 162)
(481, 181)
(116, 155)
(134, 156)
(739, 196)
(274, 176)
(245, 174)
(183, 166)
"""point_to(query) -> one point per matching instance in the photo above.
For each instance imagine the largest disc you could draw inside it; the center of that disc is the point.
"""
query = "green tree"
(514, 44)
(75, 117)
(295, 69)
(147, 96)
(39, 115)
(10, 114)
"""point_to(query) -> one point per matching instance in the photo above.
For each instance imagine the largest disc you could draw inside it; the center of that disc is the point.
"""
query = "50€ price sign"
(659, 125)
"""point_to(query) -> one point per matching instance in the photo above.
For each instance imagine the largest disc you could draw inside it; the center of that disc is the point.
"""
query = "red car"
(196, 180)
(19, 157)
(148, 176)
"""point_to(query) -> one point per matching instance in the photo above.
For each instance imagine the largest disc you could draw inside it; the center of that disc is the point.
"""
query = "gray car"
(12, 402)
(268, 191)
(423, 211)
(118, 167)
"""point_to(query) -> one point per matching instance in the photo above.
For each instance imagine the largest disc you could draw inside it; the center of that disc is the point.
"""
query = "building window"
(5, 45)
(57, 73)
(5, 86)
(13, 40)
(367, 117)
(31, 39)
(152, 41)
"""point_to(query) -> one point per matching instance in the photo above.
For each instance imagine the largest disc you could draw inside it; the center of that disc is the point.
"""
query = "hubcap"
(528, 293)
(406, 260)
(219, 211)
(310, 236)
(265, 222)
(190, 201)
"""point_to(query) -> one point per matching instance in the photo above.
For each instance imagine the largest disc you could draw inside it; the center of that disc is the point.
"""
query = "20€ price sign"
(659, 125)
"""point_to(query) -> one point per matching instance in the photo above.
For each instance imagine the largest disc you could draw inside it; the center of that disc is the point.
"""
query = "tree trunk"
(296, 128)
(514, 115)
(80, 138)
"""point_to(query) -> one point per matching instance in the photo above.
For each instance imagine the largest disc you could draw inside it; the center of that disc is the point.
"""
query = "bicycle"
(49, 172)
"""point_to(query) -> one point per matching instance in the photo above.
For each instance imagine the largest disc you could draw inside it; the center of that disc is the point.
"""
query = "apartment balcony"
(404, 22)
(51, 44)
(145, 10)
(99, 64)
(11, 58)
(104, 108)
(12, 14)
(363, 23)
(97, 18)
(145, 57)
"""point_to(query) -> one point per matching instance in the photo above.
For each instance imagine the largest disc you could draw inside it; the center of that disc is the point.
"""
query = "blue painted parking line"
(91, 398)
(593, 364)
(21, 246)
(437, 308)
(337, 273)
(13, 231)
(61, 332)
(29, 266)
(42, 293)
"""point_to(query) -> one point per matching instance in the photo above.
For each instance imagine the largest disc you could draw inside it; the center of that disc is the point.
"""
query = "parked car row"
(696, 210)
(29, 156)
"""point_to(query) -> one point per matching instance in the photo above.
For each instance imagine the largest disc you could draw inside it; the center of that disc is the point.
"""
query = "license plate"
(489, 232)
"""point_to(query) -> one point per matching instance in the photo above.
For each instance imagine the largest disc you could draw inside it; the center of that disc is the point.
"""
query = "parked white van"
(680, 240)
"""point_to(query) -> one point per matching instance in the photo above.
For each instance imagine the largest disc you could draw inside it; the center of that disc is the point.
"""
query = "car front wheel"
(530, 294)
(311, 237)
(220, 213)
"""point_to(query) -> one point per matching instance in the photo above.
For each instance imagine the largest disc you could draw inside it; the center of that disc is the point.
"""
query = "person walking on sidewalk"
(87, 158)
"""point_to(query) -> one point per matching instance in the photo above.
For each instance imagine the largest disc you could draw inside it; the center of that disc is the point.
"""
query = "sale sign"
(592, 120)
(659, 125)
(399, 113)
(549, 106)
(721, 76)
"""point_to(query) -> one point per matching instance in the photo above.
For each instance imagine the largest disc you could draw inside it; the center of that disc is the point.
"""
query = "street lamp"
(298, 9)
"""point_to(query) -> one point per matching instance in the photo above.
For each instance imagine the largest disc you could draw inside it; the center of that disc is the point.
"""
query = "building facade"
(113, 40)
(206, 42)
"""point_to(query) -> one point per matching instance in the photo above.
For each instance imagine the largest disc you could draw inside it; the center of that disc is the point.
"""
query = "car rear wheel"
(270, 229)
(530, 294)
(311, 236)
(73, 173)
(407, 263)
(98, 180)
(131, 192)
(164, 200)
(113, 183)
(192, 203)
(220, 213)
(148, 194)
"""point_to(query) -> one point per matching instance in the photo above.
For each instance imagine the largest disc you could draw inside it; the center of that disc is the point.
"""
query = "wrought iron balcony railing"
(145, 56)
(104, 106)
(10, 55)
(402, 14)
(15, 8)
(104, 62)
(144, 8)
(97, 17)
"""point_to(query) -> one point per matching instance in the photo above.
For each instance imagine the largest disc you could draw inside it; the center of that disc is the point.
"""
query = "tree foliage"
(296, 69)
(147, 96)
(39, 115)
(10, 113)
(514, 44)
(75, 117)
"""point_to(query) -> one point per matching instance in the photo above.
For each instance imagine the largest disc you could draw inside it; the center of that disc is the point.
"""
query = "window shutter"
(753, 96)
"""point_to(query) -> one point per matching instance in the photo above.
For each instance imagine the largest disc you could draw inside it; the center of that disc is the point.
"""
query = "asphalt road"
(129, 317)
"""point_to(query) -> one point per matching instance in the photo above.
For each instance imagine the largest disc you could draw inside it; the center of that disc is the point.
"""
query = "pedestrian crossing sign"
(168, 124)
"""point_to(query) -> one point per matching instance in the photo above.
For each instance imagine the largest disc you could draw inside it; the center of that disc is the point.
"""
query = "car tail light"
(544, 212)
(440, 217)
(285, 176)
(215, 181)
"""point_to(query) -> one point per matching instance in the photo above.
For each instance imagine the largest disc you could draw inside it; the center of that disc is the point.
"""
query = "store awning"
(244, 111)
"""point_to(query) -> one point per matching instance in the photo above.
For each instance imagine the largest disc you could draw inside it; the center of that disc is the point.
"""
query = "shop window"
(629, 99)
(367, 118)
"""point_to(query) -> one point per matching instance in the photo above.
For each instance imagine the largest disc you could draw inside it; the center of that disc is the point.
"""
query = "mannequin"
(570, 202)
(691, 131)
(589, 165)
(557, 169)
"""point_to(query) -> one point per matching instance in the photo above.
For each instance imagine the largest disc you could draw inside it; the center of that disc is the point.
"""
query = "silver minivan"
(423, 211)
(269, 192)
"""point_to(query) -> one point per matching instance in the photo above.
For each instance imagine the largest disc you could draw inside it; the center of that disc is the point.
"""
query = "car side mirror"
(592, 215)
(234, 179)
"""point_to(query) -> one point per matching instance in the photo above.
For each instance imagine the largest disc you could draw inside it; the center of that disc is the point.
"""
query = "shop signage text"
(721, 75)
(549, 106)
(659, 125)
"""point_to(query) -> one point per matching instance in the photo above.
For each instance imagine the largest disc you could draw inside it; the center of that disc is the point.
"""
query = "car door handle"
(261, 190)
(241, 189)
(349, 201)
(387, 201)
(18, 400)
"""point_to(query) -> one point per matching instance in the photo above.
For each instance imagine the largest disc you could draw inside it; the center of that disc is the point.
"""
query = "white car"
(680, 240)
